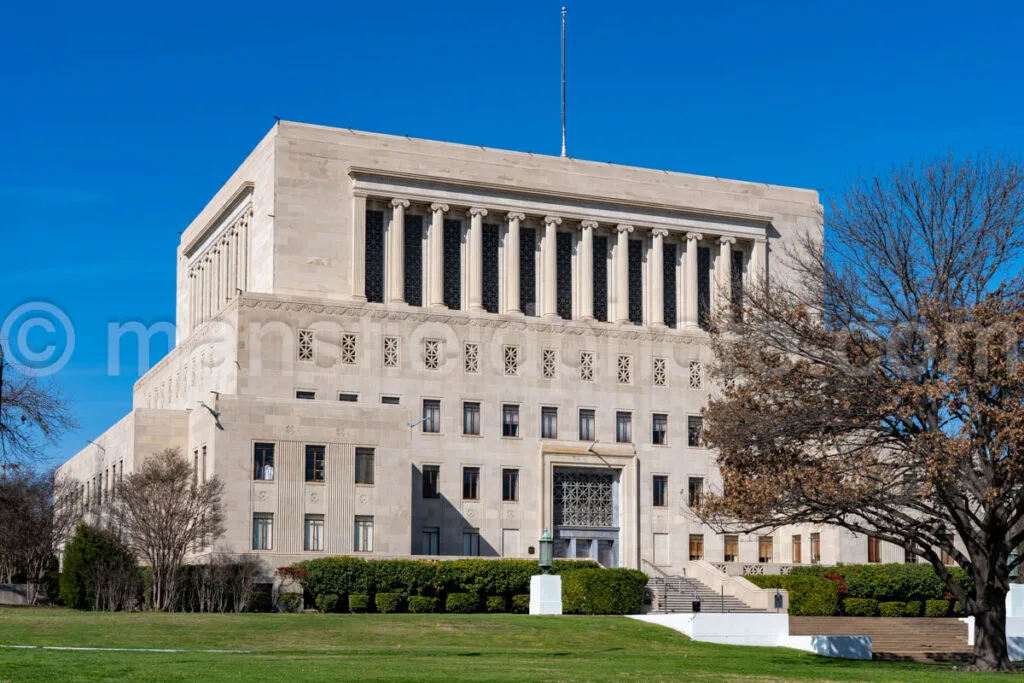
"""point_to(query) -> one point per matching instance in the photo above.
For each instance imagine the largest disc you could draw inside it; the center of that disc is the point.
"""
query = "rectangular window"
(471, 483)
(374, 256)
(263, 462)
(389, 400)
(797, 550)
(623, 427)
(548, 423)
(431, 540)
(510, 420)
(364, 466)
(732, 548)
(306, 395)
(660, 491)
(363, 534)
(314, 534)
(315, 457)
(453, 264)
(431, 473)
(431, 416)
(874, 550)
(815, 548)
(659, 429)
(765, 552)
(471, 543)
(696, 547)
(263, 531)
(471, 418)
(587, 426)
(694, 431)
(694, 488)
(510, 486)
(348, 398)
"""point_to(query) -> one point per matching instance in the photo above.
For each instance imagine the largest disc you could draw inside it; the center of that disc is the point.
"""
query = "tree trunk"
(990, 651)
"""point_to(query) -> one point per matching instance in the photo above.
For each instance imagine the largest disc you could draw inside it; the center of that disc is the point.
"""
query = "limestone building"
(399, 347)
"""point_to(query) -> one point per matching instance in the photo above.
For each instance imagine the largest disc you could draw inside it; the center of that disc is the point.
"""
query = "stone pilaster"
(586, 308)
(435, 253)
(692, 240)
(476, 258)
(396, 262)
(656, 264)
(549, 250)
(512, 262)
(358, 284)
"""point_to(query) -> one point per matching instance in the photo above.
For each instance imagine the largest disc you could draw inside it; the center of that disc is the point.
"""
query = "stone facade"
(455, 314)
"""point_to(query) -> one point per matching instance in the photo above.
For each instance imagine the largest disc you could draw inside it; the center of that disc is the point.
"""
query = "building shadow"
(438, 527)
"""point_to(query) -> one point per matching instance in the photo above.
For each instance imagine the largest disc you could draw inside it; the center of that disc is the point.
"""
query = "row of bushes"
(869, 607)
(389, 603)
(809, 596)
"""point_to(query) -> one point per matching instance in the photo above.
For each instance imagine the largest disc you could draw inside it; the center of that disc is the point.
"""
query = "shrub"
(889, 582)
(936, 608)
(958, 609)
(461, 603)
(289, 602)
(100, 572)
(358, 602)
(809, 596)
(521, 603)
(326, 603)
(912, 608)
(860, 607)
(388, 603)
(496, 603)
(892, 609)
(421, 604)
(603, 591)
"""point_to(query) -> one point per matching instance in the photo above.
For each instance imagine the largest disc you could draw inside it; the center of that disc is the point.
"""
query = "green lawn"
(296, 647)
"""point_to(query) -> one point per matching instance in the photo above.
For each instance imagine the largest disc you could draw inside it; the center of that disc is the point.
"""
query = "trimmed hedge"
(809, 596)
(890, 582)
(358, 602)
(893, 608)
(496, 604)
(521, 603)
(461, 603)
(421, 604)
(388, 603)
(936, 608)
(603, 591)
(326, 603)
(860, 607)
(289, 602)
(912, 608)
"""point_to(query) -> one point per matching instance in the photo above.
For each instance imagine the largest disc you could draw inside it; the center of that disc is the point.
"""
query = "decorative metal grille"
(636, 285)
(583, 499)
(669, 285)
(511, 356)
(625, 369)
(660, 372)
(471, 357)
(549, 363)
(453, 264)
(431, 354)
(600, 288)
(528, 271)
(348, 348)
(563, 277)
(413, 244)
(391, 357)
(736, 292)
(703, 286)
(587, 366)
(305, 345)
(375, 256)
(489, 285)
(696, 374)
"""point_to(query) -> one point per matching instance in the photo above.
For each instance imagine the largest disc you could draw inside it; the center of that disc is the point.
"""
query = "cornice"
(243, 192)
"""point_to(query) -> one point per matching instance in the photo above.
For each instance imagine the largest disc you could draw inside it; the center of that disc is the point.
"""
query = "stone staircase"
(920, 640)
(676, 594)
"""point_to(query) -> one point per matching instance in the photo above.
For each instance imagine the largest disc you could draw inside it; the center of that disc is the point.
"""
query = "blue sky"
(121, 120)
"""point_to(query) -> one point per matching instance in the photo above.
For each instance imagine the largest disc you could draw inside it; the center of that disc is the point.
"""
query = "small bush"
(388, 603)
(958, 609)
(289, 602)
(358, 602)
(461, 603)
(521, 603)
(860, 607)
(421, 604)
(603, 591)
(892, 609)
(912, 608)
(936, 608)
(496, 604)
(326, 603)
(809, 596)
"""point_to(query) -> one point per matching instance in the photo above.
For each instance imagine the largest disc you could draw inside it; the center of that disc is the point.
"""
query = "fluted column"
(476, 258)
(692, 239)
(725, 273)
(435, 240)
(232, 263)
(657, 268)
(550, 251)
(396, 265)
(622, 274)
(246, 246)
(587, 270)
(207, 287)
(191, 299)
(512, 262)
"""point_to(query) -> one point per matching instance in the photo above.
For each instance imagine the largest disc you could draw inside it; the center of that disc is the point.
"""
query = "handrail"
(659, 570)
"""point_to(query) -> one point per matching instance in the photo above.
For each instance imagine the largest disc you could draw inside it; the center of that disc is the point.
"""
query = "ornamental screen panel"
(600, 288)
(375, 256)
(490, 268)
(736, 292)
(563, 277)
(584, 498)
(453, 264)
(636, 292)
(703, 286)
(669, 284)
(528, 271)
(413, 245)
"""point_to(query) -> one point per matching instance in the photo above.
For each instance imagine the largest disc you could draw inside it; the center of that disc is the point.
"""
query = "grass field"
(301, 647)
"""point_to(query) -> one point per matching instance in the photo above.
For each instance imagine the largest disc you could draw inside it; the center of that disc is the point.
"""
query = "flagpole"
(563, 82)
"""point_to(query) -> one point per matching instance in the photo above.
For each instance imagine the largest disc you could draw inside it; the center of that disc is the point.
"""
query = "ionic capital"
(659, 232)
(588, 225)
(443, 208)
(727, 239)
(516, 216)
(621, 228)
(475, 211)
(552, 220)
(694, 236)
(399, 202)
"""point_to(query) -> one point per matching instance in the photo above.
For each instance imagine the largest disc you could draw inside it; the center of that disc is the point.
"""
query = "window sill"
(263, 481)
(511, 438)
(365, 486)
(473, 436)
(317, 483)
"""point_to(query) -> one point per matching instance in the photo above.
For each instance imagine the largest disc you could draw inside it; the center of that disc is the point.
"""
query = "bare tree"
(162, 510)
(32, 412)
(879, 386)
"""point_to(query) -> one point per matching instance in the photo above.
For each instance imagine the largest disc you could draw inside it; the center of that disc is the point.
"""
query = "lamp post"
(546, 553)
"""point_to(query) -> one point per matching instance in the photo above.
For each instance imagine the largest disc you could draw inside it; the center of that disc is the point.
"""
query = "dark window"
(624, 427)
(453, 264)
(431, 416)
(874, 549)
(660, 491)
(694, 431)
(736, 291)
(510, 485)
(563, 275)
(315, 456)
(431, 473)
(587, 427)
(431, 540)
(695, 489)
(308, 395)
(470, 483)
(348, 398)
(389, 400)
(375, 256)
(364, 465)
(510, 420)
(528, 271)
(659, 429)
(703, 286)
(413, 244)
(600, 288)
(263, 461)
(548, 423)
(489, 286)
(669, 283)
(636, 283)
(471, 418)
